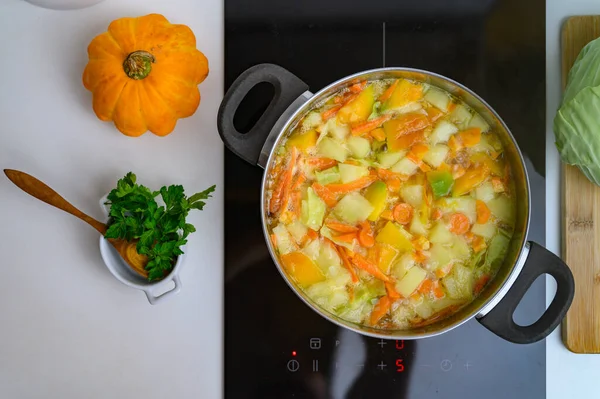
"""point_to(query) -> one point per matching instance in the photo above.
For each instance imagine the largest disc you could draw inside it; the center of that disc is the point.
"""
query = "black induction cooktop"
(275, 346)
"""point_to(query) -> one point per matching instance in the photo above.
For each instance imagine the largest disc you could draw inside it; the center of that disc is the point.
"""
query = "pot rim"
(483, 308)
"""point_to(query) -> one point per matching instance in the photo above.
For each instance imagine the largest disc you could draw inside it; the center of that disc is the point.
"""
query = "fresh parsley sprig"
(161, 230)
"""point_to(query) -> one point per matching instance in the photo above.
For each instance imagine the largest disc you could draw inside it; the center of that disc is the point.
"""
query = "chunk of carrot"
(478, 244)
(498, 185)
(421, 243)
(419, 256)
(365, 235)
(469, 236)
(424, 167)
(483, 212)
(459, 223)
(436, 214)
(438, 292)
(426, 286)
(380, 309)
(480, 283)
(387, 215)
(444, 270)
(470, 137)
(403, 213)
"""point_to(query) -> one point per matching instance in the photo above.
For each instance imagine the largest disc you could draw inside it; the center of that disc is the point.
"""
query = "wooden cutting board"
(581, 217)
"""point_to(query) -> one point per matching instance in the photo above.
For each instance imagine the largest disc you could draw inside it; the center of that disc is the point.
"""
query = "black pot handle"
(287, 87)
(500, 321)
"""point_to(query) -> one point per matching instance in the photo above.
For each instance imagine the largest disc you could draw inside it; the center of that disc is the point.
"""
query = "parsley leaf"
(160, 231)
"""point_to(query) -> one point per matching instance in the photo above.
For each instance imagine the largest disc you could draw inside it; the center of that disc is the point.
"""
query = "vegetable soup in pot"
(391, 204)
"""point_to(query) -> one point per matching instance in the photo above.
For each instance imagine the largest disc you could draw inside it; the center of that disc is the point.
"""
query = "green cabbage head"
(577, 122)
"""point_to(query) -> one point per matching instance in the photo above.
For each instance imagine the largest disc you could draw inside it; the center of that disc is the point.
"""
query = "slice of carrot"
(299, 181)
(403, 213)
(325, 194)
(355, 185)
(321, 163)
(391, 291)
(347, 237)
(340, 227)
(444, 270)
(281, 191)
(369, 267)
(358, 87)
(330, 112)
(459, 223)
(364, 127)
(438, 292)
(419, 256)
(426, 286)
(380, 309)
(365, 235)
(388, 92)
(345, 260)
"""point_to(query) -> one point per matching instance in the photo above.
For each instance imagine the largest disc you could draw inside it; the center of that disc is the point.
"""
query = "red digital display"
(399, 344)
(399, 366)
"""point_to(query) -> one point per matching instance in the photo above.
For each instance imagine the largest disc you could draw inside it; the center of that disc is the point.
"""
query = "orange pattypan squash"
(144, 74)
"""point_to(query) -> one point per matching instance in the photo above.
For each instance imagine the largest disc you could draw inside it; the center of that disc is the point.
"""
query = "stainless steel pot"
(525, 260)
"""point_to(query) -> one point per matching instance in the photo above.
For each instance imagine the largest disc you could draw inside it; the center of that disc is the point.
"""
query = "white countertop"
(568, 375)
(68, 328)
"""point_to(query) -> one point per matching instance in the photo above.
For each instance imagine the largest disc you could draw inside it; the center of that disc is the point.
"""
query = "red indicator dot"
(293, 353)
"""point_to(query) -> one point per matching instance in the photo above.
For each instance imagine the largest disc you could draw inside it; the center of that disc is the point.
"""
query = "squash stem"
(138, 64)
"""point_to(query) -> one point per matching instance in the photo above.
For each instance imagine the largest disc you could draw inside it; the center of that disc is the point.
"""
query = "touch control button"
(446, 365)
(293, 365)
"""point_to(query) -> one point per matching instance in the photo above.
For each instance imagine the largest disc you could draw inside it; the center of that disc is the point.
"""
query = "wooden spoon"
(41, 191)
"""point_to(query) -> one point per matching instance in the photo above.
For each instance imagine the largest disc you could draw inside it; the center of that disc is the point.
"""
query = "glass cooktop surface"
(277, 347)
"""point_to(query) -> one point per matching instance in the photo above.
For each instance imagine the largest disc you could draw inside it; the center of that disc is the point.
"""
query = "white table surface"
(568, 375)
(69, 329)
